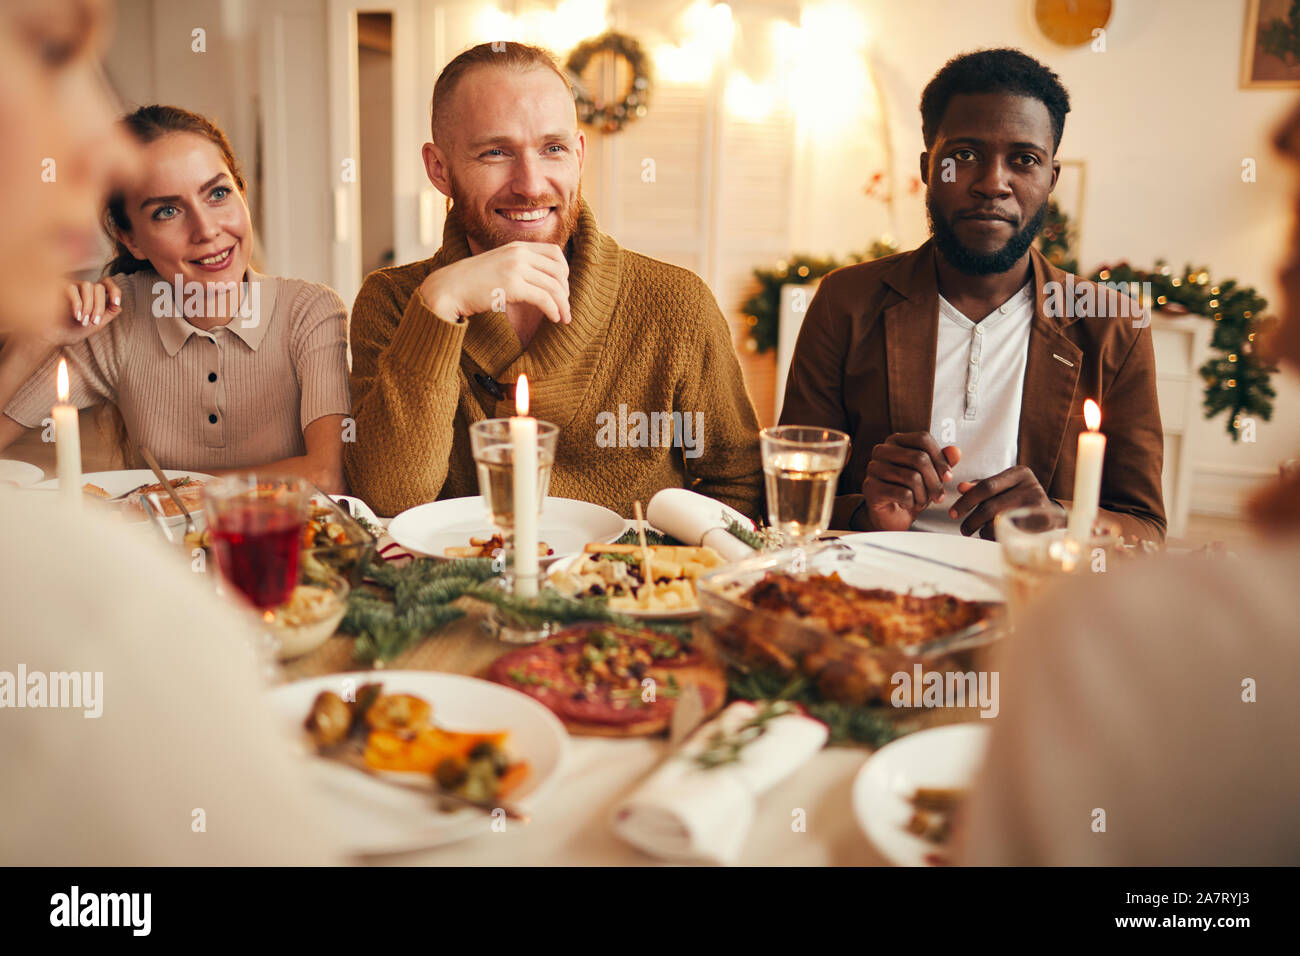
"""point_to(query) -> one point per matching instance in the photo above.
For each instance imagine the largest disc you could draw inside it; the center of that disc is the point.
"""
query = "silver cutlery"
(152, 462)
(127, 494)
(992, 579)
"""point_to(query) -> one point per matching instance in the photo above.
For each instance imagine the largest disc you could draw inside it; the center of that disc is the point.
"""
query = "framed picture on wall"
(1270, 54)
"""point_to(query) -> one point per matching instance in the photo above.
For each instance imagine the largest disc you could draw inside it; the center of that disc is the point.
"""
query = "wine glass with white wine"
(801, 467)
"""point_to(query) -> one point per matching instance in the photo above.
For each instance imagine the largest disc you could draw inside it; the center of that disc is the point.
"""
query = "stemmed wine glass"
(256, 525)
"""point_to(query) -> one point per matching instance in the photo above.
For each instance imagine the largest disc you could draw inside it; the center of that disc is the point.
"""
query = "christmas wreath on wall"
(611, 117)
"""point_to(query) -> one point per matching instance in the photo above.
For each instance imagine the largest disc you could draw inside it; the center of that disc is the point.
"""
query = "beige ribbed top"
(237, 396)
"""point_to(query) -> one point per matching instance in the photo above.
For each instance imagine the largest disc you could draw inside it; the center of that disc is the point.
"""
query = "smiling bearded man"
(956, 369)
(525, 282)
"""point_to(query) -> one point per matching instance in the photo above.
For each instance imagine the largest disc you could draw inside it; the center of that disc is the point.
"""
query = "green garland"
(1237, 380)
(418, 601)
(611, 117)
(762, 309)
(407, 604)
(848, 723)
(1056, 240)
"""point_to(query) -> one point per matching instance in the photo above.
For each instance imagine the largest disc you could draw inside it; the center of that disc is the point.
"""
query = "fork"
(128, 494)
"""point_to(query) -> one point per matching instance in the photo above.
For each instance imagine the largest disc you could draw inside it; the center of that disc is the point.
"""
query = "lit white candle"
(523, 442)
(1087, 476)
(67, 441)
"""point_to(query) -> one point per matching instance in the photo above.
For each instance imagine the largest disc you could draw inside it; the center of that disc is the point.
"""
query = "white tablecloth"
(570, 824)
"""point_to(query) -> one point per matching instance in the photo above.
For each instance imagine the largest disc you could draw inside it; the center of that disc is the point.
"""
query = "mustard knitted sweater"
(644, 385)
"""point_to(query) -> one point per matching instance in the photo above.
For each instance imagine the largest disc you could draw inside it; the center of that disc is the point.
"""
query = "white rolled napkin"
(695, 519)
(687, 812)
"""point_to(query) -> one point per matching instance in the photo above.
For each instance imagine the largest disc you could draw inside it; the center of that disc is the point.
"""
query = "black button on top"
(212, 376)
(212, 419)
(489, 385)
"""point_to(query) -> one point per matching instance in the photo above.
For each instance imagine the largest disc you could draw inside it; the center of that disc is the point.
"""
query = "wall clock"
(1071, 22)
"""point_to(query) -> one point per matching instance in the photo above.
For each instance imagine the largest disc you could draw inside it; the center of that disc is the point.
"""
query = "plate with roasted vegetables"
(412, 759)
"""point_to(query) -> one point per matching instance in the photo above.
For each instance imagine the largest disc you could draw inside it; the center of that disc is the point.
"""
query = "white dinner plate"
(939, 757)
(684, 614)
(372, 817)
(21, 474)
(120, 482)
(566, 526)
(894, 569)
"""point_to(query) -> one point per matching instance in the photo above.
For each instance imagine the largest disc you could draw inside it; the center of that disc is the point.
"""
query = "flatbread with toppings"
(609, 681)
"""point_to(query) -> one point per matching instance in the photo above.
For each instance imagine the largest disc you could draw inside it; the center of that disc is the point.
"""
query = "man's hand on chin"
(982, 501)
(533, 273)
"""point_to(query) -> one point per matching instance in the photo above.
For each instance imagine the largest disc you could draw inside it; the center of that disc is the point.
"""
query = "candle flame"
(63, 380)
(521, 395)
(1092, 415)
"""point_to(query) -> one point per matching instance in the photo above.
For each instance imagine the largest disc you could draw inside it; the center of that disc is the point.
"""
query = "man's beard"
(490, 231)
(982, 263)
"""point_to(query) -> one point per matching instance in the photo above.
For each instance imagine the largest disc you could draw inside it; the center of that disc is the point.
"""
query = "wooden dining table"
(806, 820)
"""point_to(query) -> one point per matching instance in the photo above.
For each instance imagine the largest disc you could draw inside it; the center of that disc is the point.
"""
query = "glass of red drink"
(256, 525)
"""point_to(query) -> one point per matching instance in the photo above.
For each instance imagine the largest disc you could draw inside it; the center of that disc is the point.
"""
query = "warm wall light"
(682, 65)
(747, 100)
(711, 23)
(492, 24)
(571, 22)
(824, 66)
(708, 31)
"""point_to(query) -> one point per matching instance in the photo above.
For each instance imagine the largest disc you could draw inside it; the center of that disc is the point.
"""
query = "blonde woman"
(212, 366)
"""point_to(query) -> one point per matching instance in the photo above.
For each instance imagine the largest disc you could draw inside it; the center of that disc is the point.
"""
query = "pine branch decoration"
(1237, 380)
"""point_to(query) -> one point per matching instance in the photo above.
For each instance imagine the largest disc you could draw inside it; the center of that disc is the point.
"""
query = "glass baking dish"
(845, 666)
(333, 543)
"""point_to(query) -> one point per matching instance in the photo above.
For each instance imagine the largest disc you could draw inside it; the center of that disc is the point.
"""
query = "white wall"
(151, 59)
(1162, 125)
(1158, 119)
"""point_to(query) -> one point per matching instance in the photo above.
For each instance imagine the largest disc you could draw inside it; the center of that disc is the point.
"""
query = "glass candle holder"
(494, 458)
(1040, 555)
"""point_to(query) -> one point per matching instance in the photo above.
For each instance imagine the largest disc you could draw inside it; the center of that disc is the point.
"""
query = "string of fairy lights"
(1238, 380)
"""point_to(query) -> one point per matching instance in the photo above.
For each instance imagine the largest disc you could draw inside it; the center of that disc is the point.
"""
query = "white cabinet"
(1179, 344)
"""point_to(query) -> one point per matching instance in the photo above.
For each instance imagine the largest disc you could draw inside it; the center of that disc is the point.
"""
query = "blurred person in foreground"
(177, 759)
(1164, 694)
